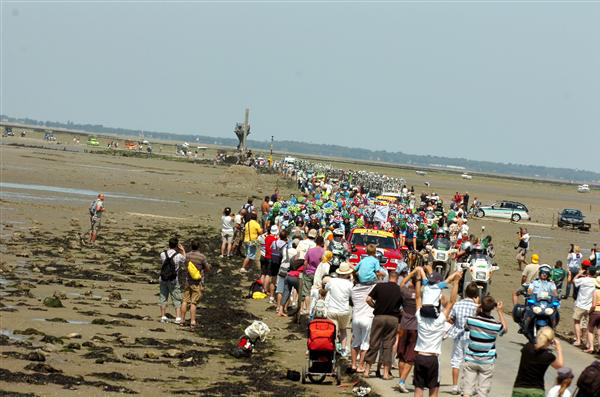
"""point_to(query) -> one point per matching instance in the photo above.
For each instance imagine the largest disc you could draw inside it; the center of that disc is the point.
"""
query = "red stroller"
(322, 355)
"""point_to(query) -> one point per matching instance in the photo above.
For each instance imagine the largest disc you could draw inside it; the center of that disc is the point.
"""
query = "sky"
(502, 81)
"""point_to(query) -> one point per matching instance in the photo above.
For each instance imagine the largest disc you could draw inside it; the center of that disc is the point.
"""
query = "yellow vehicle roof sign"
(386, 198)
(372, 232)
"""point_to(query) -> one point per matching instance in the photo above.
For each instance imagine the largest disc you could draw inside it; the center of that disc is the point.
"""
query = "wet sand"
(115, 283)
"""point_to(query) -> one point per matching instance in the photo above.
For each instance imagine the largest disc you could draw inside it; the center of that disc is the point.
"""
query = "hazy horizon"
(512, 82)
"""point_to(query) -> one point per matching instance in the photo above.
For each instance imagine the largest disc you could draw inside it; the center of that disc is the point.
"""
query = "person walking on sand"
(251, 233)
(197, 266)
(238, 232)
(96, 209)
(522, 247)
(226, 232)
(386, 299)
(171, 259)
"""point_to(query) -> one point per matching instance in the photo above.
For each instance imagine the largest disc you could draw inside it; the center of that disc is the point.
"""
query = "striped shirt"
(481, 344)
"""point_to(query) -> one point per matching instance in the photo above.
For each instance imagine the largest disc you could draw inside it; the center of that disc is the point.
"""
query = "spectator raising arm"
(454, 278)
(408, 277)
(500, 307)
(558, 363)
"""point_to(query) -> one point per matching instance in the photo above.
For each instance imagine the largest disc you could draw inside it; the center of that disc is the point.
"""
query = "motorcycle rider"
(339, 248)
(541, 284)
(441, 240)
(466, 247)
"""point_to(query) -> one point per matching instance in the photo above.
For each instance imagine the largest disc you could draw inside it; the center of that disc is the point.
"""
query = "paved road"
(508, 348)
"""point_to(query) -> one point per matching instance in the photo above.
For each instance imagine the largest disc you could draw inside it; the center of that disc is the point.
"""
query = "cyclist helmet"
(545, 269)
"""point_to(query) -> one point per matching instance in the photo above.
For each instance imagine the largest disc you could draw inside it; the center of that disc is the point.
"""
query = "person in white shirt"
(171, 287)
(430, 332)
(362, 317)
(585, 282)
(464, 229)
(226, 232)
(307, 243)
(564, 377)
(321, 271)
(337, 302)
(574, 259)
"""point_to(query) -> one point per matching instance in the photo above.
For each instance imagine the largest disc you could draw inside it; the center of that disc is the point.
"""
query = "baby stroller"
(322, 355)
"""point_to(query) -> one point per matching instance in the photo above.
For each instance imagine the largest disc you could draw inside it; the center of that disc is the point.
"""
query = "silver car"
(512, 210)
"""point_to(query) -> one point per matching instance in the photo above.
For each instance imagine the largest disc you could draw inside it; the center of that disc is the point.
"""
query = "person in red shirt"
(265, 275)
(458, 199)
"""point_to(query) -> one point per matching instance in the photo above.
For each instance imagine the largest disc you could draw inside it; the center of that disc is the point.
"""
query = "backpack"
(93, 208)
(167, 271)
(256, 286)
(589, 380)
(277, 250)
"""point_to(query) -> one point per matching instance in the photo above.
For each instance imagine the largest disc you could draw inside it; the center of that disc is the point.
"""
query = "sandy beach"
(107, 338)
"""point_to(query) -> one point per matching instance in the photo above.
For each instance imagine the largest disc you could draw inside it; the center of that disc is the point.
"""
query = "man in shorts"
(171, 288)
(192, 290)
(96, 210)
(586, 282)
(430, 332)
(251, 233)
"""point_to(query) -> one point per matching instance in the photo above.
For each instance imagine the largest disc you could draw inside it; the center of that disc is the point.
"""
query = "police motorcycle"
(540, 310)
(478, 268)
(442, 254)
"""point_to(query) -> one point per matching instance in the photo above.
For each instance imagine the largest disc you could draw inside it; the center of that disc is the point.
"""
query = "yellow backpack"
(193, 271)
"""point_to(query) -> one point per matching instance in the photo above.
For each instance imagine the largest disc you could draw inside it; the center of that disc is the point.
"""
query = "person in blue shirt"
(368, 269)
(543, 283)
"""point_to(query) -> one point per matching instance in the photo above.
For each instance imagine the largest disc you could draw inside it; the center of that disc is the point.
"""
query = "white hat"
(274, 229)
(312, 233)
(344, 268)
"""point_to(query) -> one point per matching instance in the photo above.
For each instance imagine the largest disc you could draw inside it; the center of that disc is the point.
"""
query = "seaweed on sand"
(59, 379)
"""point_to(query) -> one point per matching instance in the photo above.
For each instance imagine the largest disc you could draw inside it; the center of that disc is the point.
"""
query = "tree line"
(522, 170)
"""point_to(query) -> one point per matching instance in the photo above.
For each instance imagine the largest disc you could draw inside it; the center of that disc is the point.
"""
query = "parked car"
(573, 218)
(49, 136)
(585, 188)
(512, 210)
(388, 249)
